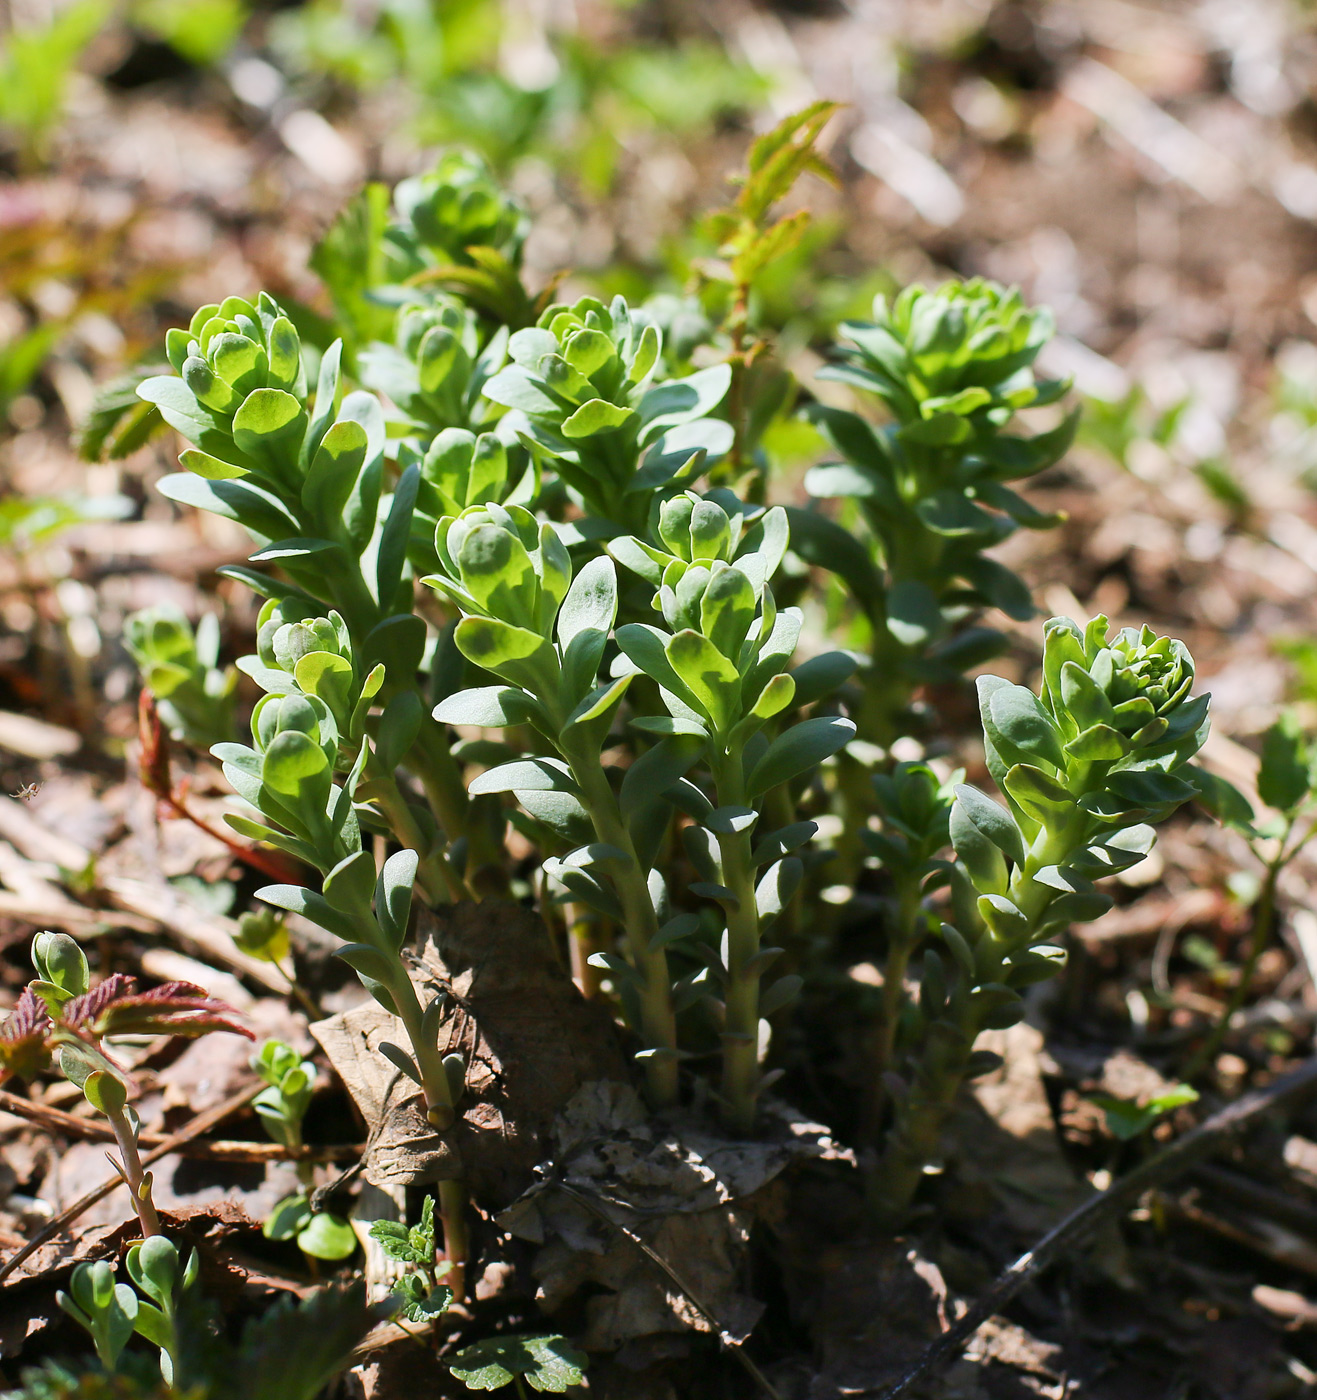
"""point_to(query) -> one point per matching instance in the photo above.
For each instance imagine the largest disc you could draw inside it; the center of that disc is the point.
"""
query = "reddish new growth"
(25, 1037)
(116, 1007)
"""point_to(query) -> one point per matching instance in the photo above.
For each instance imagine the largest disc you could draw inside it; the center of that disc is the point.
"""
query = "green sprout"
(1287, 785)
(1087, 768)
(181, 669)
(282, 1106)
(421, 1296)
(60, 1018)
(951, 367)
(1127, 1120)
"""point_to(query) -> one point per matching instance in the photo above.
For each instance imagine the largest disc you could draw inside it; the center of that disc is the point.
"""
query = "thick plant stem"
(737, 324)
(438, 882)
(855, 799)
(888, 689)
(452, 1214)
(584, 939)
(885, 699)
(914, 1142)
(441, 777)
(740, 1078)
(901, 944)
(459, 815)
(135, 1178)
(440, 1110)
(353, 600)
(658, 1021)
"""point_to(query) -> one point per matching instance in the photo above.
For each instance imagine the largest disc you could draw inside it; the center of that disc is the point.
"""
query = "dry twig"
(57, 1121)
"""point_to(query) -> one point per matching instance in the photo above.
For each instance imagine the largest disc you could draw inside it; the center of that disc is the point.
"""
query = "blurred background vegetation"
(1148, 168)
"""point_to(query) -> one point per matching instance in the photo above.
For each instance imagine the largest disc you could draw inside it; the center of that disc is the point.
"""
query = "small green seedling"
(282, 1106)
(421, 1296)
(160, 1277)
(61, 1017)
(263, 934)
(35, 70)
(181, 669)
(543, 1363)
(108, 1310)
(1287, 785)
(1127, 1120)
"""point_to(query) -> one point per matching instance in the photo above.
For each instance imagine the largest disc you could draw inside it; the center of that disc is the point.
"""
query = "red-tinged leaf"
(81, 1012)
(25, 1037)
(173, 1008)
(154, 763)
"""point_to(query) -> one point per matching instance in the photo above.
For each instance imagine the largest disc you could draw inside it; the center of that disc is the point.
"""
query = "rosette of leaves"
(458, 229)
(180, 667)
(951, 367)
(300, 741)
(452, 228)
(722, 670)
(421, 1296)
(282, 1106)
(1087, 768)
(541, 630)
(303, 474)
(454, 208)
(583, 385)
(315, 724)
(437, 367)
(460, 469)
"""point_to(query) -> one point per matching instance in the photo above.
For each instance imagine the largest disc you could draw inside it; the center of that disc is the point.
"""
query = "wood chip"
(35, 738)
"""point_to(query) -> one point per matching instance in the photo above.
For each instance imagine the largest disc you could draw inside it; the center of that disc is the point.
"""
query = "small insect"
(27, 792)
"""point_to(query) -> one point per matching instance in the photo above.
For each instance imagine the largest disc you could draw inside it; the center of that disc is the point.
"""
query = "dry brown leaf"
(689, 1193)
(529, 1038)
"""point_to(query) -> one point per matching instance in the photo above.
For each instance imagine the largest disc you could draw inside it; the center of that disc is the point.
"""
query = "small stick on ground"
(1169, 1163)
(62, 1124)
